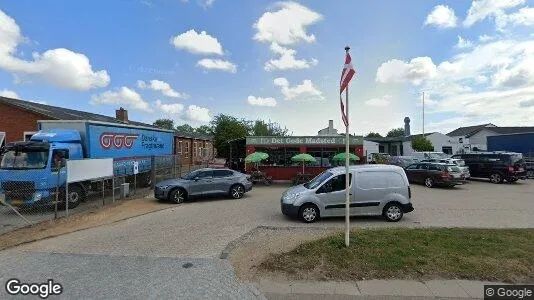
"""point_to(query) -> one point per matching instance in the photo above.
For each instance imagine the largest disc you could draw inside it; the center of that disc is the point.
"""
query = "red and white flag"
(346, 76)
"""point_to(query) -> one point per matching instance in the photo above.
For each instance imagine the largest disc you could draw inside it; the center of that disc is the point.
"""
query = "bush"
(421, 143)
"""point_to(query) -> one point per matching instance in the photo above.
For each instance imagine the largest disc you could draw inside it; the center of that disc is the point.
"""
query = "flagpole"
(347, 174)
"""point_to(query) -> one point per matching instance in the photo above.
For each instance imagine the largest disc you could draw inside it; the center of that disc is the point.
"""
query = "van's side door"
(332, 195)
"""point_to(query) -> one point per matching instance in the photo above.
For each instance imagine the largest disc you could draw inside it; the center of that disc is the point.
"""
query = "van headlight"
(291, 196)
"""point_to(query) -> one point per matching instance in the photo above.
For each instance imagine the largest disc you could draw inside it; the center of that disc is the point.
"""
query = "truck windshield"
(315, 182)
(24, 159)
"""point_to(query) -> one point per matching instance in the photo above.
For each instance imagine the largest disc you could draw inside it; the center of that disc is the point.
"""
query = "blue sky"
(279, 61)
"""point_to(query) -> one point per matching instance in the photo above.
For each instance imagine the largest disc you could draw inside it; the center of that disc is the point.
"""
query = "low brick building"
(193, 148)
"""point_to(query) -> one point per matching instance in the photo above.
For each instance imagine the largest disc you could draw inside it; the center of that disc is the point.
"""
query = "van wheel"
(496, 178)
(392, 212)
(309, 213)
(429, 182)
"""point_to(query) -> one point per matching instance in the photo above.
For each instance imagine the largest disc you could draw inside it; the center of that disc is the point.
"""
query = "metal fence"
(24, 201)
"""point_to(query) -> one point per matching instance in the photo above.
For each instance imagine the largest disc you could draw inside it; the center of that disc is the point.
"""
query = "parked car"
(378, 190)
(460, 163)
(378, 158)
(430, 155)
(497, 166)
(529, 167)
(403, 161)
(204, 182)
(434, 174)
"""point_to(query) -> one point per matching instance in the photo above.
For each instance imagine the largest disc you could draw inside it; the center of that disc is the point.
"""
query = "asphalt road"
(135, 250)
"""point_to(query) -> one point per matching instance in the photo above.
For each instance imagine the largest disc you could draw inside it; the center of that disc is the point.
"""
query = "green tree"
(262, 128)
(204, 129)
(421, 143)
(396, 132)
(373, 135)
(226, 128)
(164, 124)
(185, 128)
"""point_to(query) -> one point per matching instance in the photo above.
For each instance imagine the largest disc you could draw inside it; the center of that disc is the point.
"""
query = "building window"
(186, 149)
(446, 149)
(28, 135)
(461, 140)
(194, 149)
(180, 147)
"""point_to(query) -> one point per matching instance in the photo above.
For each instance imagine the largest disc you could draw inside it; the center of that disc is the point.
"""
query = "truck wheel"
(76, 196)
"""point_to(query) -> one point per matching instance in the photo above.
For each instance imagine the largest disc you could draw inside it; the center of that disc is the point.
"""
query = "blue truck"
(31, 170)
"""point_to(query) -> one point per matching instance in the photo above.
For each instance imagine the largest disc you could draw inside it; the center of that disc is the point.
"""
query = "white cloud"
(9, 94)
(197, 113)
(197, 43)
(259, 101)
(481, 9)
(527, 103)
(442, 16)
(161, 86)
(463, 43)
(485, 38)
(170, 109)
(381, 101)
(287, 25)
(287, 60)
(217, 64)
(304, 91)
(415, 71)
(206, 3)
(122, 96)
(523, 17)
(59, 67)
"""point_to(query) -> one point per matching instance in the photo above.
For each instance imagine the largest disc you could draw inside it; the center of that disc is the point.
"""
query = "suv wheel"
(429, 182)
(496, 178)
(237, 191)
(392, 212)
(177, 196)
(309, 213)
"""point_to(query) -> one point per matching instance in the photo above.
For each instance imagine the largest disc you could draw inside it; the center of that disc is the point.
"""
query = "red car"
(434, 174)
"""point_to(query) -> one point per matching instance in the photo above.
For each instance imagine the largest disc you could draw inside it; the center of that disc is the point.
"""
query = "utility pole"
(423, 114)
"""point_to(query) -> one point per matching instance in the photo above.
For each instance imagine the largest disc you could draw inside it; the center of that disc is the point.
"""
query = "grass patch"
(477, 254)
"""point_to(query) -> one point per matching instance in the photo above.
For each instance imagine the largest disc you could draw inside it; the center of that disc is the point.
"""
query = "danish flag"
(346, 76)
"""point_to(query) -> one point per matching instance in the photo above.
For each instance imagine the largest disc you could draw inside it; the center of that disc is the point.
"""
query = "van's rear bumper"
(406, 208)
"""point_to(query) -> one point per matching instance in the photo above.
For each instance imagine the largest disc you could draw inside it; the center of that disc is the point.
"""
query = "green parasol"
(256, 157)
(341, 156)
(303, 158)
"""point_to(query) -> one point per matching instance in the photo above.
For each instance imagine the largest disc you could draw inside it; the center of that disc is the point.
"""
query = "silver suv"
(374, 190)
(204, 182)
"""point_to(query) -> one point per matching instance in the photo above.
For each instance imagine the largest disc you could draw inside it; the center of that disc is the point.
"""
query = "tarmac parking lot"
(204, 227)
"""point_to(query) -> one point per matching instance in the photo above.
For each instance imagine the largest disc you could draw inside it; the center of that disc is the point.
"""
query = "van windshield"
(318, 180)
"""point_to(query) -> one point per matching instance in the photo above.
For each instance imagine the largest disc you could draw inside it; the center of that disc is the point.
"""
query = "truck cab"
(30, 171)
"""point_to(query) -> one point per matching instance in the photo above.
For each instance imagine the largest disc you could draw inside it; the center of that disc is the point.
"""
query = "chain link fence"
(28, 199)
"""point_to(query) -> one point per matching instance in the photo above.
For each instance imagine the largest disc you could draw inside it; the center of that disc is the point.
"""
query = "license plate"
(17, 202)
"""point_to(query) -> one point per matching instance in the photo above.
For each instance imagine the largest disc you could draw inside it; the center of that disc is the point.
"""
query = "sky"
(280, 61)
